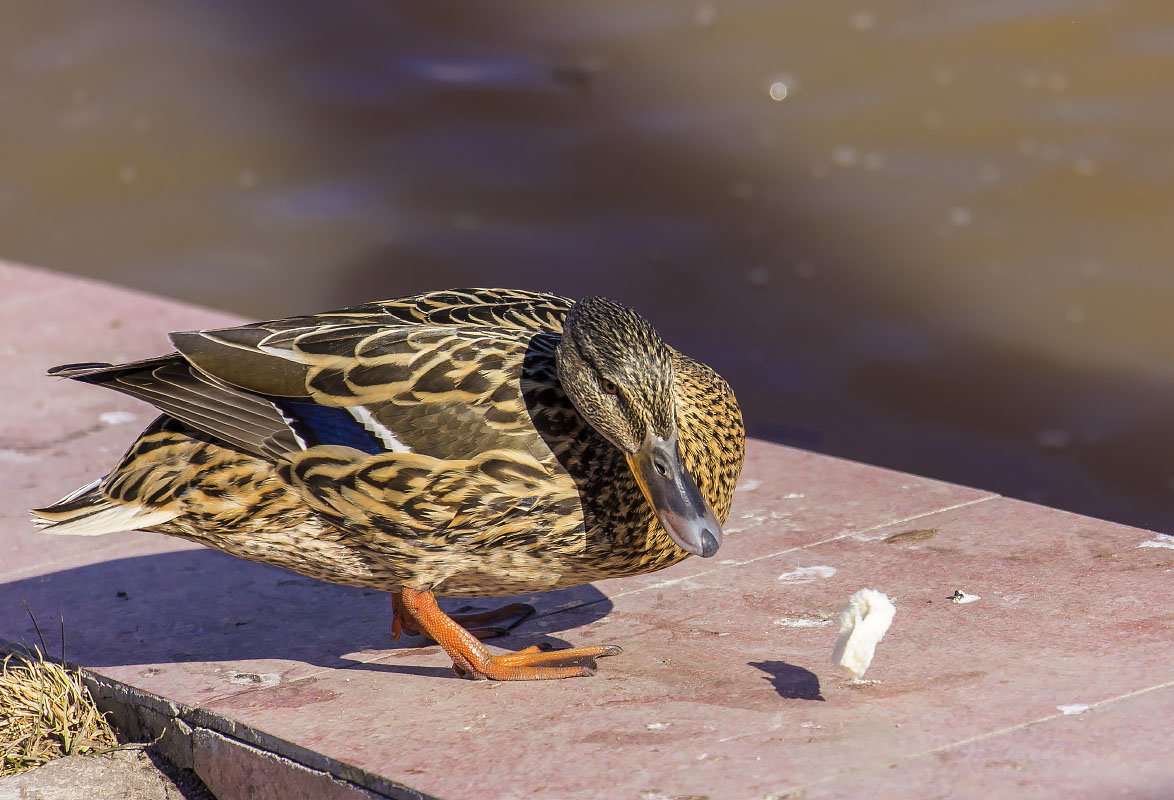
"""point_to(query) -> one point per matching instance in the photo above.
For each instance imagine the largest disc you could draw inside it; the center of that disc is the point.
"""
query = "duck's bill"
(674, 496)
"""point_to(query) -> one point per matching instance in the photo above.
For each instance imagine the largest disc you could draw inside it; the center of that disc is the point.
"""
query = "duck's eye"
(610, 387)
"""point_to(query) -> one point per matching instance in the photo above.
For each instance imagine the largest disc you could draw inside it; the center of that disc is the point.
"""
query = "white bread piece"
(863, 622)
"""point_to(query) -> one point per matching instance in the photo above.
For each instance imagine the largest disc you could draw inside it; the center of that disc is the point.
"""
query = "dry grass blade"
(46, 712)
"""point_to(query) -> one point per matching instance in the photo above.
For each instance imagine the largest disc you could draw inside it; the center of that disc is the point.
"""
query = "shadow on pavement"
(791, 682)
(202, 605)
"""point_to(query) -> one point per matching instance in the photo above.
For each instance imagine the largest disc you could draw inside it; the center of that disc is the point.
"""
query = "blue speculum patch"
(318, 425)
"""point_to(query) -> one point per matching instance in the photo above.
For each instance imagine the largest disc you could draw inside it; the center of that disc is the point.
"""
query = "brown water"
(945, 250)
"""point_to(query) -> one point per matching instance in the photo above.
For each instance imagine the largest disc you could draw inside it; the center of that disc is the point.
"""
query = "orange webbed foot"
(535, 663)
(471, 658)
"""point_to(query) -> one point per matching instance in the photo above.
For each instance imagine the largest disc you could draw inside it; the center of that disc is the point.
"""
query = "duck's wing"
(446, 391)
(417, 427)
(439, 374)
(242, 419)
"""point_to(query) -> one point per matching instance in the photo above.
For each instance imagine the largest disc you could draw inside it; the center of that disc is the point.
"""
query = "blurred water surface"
(934, 236)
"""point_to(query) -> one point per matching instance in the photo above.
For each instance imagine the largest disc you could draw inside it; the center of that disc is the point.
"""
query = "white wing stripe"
(289, 423)
(378, 430)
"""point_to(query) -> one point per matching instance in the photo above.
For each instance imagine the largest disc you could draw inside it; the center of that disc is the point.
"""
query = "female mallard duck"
(479, 442)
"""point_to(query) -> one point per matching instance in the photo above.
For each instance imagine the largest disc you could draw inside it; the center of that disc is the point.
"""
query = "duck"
(457, 443)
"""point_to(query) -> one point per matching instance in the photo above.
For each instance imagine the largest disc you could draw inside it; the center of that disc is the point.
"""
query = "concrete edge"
(233, 760)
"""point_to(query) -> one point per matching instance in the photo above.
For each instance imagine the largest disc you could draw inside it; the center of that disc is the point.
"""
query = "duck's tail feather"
(89, 512)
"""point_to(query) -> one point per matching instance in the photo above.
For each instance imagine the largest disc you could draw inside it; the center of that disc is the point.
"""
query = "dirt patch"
(912, 537)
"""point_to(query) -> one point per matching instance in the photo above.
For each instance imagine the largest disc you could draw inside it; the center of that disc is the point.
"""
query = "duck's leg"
(399, 618)
(483, 625)
(470, 656)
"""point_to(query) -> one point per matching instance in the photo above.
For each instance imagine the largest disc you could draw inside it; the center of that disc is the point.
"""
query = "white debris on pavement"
(116, 417)
(863, 622)
(807, 574)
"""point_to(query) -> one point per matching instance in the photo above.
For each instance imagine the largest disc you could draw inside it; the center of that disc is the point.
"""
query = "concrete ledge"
(1056, 682)
(233, 760)
(235, 769)
(249, 765)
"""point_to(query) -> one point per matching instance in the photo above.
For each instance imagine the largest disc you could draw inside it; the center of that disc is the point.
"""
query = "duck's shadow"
(202, 605)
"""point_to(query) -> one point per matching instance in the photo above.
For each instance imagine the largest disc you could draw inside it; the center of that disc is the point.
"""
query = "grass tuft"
(46, 712)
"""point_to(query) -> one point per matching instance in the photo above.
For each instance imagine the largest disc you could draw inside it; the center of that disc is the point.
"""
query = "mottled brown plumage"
(466, 443)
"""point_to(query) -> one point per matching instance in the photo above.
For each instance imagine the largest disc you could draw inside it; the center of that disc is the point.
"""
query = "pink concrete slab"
(558, 739)
(1059, 624)
(719, 694)
(1119, 748)
(790, 497)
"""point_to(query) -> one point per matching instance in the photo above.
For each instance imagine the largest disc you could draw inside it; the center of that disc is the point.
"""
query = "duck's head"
(619, 374)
